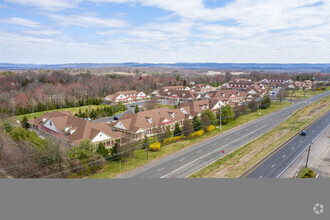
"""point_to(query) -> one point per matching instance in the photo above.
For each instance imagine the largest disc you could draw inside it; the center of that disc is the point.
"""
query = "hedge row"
(196, 134)
(173, 139)
(155, 146)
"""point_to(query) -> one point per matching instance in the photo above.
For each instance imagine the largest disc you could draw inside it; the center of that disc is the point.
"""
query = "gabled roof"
(82, 129)
(134, 122)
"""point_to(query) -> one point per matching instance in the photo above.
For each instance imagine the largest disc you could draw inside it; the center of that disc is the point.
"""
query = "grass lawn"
(163, 106)
(71, 110)
(112, 169)
(300, 94)
(234, 164)
(303, 172)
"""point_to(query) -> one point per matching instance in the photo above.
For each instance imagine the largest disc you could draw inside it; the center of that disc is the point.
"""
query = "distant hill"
(301, 67)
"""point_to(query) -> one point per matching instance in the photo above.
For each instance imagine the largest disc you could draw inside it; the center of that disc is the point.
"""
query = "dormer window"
(50, 123)
(183, 94)
(172, 114)
(149, 120)
(223, 94)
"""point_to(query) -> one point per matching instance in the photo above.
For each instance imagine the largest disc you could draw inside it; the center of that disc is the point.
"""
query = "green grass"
(300, 94)
(288, 128)
(163, 106)
(112, 169)
(71, 110)
(303, 172)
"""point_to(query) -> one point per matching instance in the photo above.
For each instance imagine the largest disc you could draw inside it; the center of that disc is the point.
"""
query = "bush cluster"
(309, 174)
(173, 139)
(209, 128)
(196, 134)
(155, 146)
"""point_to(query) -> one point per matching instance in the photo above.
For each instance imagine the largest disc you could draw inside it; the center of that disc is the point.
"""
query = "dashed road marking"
(292, 148)
(300, 142)
(199, 151)
(160, 169)
(273, 165)
(182, 159)
(283, 156)
(260, 177)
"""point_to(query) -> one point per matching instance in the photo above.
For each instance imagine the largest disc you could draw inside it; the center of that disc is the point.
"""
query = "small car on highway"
(304, 133)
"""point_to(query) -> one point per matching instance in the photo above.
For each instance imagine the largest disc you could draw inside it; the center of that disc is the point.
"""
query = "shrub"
(196, 134)
(173, 139)
(210, 128)
(155, 146)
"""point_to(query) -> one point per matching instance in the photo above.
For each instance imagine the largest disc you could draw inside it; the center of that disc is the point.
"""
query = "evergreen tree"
(136, 109)
(196, 123)
(115, 149)
(177, 130)
(104, 152)
(227, 114)
(25, 123)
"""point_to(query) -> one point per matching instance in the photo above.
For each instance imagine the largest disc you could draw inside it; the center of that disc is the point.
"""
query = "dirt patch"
(226, 169)
(312, 112)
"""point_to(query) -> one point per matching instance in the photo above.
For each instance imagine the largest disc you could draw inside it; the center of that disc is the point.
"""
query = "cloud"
(19, 21)
(87, 21)
(42, 32)
(50, 5)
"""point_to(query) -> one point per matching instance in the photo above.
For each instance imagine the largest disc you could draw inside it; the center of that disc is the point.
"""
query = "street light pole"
(309, 149)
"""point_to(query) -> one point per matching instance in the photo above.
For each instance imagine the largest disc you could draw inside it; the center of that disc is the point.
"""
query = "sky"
(164, 31)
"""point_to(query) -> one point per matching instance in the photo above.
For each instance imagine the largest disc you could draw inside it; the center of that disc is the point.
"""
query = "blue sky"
(164, 31)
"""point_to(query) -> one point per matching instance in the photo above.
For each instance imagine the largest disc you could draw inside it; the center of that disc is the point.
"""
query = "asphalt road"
(274, 165)
(187, 161)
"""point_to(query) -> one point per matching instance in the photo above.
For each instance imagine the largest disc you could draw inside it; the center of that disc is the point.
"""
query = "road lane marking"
(283, 156)
(209, 153)
(273, 166)
(182, 159)
(199, 151)
(313, 131)
(300, 142)
(214, 145)
(260, 177)
(292, 148)
(300, 153)
(160, 169)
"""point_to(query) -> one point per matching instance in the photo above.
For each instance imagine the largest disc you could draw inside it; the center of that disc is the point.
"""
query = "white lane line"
(283, 156)
(199, 151)
(300, 153)
(260, 177)
(182, 159)
(273, 166)
(214, 145)
(292, 148)
(160, 169)
(209, 153)
(300, 142)
(312, 131)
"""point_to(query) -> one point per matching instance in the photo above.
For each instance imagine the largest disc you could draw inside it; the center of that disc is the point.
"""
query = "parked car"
(304, 133)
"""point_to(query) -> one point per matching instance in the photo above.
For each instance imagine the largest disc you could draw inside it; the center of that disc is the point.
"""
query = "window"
(149, 120)
(50, 123)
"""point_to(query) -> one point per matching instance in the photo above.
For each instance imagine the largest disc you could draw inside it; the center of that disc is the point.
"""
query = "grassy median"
(115, 168)
(236, 163)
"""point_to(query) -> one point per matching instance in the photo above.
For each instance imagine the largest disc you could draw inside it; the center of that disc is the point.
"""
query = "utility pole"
(220, 117)
(309, 149)
(291, 96)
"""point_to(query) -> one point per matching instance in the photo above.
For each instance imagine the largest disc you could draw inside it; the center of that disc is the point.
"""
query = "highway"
(273, 165)
(189, 160)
